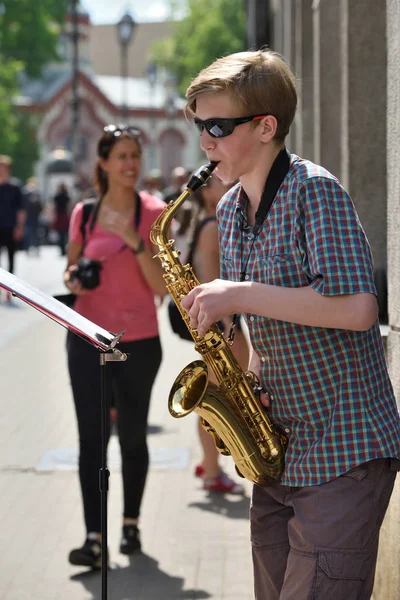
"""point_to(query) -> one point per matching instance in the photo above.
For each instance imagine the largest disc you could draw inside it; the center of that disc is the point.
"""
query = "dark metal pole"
(152, 78)
(258, 24)
(124, 76)
(75, 82)
(104, 475)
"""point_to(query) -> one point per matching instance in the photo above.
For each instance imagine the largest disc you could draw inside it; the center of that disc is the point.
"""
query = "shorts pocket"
(340, 574)
(358, 473)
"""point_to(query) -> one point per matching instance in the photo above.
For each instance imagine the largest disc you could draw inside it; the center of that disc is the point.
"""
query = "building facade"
(346, 56)
(150, 104)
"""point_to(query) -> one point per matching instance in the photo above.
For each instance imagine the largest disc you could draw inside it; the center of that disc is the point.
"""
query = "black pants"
(7, 241)
(62, 242)
(131, 383)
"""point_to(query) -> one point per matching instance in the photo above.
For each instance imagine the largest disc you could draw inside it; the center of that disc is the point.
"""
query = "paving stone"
(192, 541)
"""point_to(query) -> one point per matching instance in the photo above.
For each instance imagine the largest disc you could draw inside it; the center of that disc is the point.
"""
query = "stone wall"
(387, 582)
(338, 50)
(346, 55)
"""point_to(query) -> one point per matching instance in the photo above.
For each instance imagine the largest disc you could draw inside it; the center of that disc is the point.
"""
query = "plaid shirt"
(330, 389)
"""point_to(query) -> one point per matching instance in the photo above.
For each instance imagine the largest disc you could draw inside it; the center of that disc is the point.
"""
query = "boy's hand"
(254, 367)
(263, 396)
(264, 399)
(210, 302)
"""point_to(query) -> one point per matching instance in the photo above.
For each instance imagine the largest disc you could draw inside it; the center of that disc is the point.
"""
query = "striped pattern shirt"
(330, 389)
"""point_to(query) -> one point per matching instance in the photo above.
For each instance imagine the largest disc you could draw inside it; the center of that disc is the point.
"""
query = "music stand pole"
(105, 342)
(104, 473)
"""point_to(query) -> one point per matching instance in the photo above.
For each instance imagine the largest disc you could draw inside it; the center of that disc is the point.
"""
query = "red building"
(152, 104)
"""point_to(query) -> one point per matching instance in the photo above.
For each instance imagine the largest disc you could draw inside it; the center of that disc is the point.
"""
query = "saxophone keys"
(219, 444)
(238, 472)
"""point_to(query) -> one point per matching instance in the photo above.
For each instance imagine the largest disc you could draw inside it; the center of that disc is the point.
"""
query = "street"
(195, 545)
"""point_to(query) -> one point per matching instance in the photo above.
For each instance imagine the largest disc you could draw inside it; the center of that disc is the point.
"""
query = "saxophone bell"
(188, 389)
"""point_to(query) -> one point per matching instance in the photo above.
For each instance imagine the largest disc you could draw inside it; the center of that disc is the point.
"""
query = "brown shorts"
(320, 542)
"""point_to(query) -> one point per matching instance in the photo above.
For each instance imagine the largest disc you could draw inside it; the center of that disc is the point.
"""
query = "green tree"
(28, 40)
(29, 31)
(210, 29)
(8, 89)
(26, 150)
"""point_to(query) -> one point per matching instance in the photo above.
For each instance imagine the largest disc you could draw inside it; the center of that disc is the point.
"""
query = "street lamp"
(151, 73)
(75, 82)
(125, 29)
(170, 96)
(170, 108)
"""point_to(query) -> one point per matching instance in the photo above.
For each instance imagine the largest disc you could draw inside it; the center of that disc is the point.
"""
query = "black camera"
(88, 273)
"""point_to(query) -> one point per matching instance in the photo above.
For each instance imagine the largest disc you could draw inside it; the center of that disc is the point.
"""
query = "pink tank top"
(123, 301)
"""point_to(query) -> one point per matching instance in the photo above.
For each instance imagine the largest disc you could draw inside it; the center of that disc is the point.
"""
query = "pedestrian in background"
(62, 206)
(12, 212)
(304, 278)
(33, 207)
(180, 226)
(179, 177)
(117, 236)
(153, 183)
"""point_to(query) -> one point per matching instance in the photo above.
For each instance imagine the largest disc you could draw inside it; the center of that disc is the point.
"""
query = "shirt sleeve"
(336, 253)
(75, 234)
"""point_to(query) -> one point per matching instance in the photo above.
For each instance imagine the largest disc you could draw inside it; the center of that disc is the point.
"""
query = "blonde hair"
(259, 82)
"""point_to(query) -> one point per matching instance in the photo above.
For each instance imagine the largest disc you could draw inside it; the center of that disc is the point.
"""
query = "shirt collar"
(241, 202)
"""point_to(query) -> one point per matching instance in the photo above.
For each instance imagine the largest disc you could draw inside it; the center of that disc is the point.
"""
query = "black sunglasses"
(222, 127)
(117, 130)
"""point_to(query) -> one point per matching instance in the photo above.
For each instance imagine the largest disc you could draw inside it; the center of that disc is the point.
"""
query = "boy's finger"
(264, 399)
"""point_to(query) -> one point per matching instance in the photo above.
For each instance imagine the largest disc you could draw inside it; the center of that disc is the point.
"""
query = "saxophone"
(230, 410)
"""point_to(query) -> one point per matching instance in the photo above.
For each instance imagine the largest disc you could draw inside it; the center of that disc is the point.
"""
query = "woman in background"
(117, 234)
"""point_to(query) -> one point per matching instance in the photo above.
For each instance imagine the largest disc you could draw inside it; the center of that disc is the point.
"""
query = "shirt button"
(249, 237)
(287, 430)
(247, 277)
(272, 396)
(252, 318)
(263, 359)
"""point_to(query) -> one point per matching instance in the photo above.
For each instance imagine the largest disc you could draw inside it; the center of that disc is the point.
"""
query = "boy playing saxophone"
(304, 281)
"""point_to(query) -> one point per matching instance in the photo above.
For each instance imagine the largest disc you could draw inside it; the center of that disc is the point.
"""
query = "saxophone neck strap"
(275, 178)
(277, 174)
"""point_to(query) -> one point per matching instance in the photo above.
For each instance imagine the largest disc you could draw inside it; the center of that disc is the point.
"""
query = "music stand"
(105, 342)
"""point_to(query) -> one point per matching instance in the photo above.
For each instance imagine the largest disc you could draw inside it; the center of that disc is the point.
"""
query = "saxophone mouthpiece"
(200, 177)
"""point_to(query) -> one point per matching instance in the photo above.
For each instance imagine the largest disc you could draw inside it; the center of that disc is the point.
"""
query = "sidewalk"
(195, 545)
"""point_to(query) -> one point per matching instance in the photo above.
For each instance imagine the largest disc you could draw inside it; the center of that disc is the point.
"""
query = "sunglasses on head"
(222, 127)
(117, 130)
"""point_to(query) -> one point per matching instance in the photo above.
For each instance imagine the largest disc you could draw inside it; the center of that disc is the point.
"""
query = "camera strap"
(88, 206)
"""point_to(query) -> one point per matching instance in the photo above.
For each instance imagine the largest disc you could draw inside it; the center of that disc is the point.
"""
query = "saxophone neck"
(160, 227)
(159, 230)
